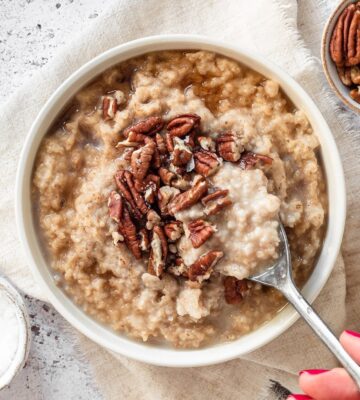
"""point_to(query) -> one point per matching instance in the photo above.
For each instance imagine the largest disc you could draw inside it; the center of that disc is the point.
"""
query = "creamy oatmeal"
(159, 192)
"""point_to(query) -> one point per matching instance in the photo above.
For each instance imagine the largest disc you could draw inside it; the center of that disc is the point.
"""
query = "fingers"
(329, 385)
(351, 343)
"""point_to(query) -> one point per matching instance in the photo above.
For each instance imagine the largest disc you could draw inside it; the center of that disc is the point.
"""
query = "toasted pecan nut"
(353, 41)
(249, 159)
(144, 240)
(166, 175)
(125, 184)
(178, 268)
(200, 232)
(169, 142)
(182, 153)
(355, 94)
(115, 206)
(183, 124)
(133, 140)
(355, 74)
(229, 147)
(173, 230)
(141, 159)
(345, 75)
(188, 198)
(165, 195)
(203, 266)
(109, 108)
(160, 144)
(128, 229)
(158, 253)
(152, 219)
(207, 143)
(148, 126)
(235, 290)
(216, 201)
(206, 162)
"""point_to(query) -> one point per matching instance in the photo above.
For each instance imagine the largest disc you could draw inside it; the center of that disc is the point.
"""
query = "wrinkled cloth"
(270, 28)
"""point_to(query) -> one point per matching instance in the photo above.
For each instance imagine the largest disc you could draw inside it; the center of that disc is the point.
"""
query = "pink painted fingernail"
(313, 371)
(299, 397)
(353, 333)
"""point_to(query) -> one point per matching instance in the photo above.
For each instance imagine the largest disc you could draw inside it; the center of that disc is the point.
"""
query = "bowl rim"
(325, 46)
(121, 344)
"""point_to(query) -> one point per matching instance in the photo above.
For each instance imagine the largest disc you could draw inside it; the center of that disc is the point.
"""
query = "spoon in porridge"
(279, 276)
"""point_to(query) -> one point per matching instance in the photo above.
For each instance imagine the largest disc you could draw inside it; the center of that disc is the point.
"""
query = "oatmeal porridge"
(160, 189)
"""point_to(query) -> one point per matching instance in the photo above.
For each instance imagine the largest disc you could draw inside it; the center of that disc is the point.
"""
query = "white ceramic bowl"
(332, 76)
(121, 344)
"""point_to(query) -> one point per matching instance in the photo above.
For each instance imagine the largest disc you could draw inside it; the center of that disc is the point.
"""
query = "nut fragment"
(173, 230)
(125, 184)
(203, 267)
(144, 240)
(206, 162)
(188, 198)
(152, 219)
(216, 201)
(128, 230)
(249, 159)
(133, 140)
(229, 147)
(161, 145)
(183, 124)
(148, 126)
(165, 195)
(109, 107)
(200, 232)
(345, 75)
(355, 74)
(166, 175)
(169, 142)
(353, 41)
(182, 153)
(178, 268)
(355, 94)
(158, 253)
(235, 290)
(141, 158)
(115, 206)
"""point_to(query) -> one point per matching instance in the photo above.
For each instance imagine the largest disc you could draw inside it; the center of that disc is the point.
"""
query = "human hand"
(336, 384)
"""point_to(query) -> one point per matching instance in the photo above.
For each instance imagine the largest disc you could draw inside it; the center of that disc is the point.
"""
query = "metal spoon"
(279, 276)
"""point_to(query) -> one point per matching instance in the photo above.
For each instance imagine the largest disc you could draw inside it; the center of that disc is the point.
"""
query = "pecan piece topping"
(158, 253)
(355, 94)
(165, 195)
(128, 230)
(141, 158)
(133, 140)
(183, 124)
(160, 144)
(203, 267)
(215, 202)
(200, 232)
(125, 184)
(169, 142)
(207, 143)
(152, 219)
(345, 75)
(144, 240)
(148, 126)
(178, 268)
(235, 290)
(181, 154)
(115, 206)
(249, 159)
(353, 41)
(206, 162)
(109, 108)
(188, 198)
(355, 74)
(173, 230)
(229, 147)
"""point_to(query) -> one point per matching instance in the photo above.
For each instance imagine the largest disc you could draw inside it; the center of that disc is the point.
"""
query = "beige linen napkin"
(269, 27)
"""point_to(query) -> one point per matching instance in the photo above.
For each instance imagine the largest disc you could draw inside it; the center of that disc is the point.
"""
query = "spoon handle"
(321, 329)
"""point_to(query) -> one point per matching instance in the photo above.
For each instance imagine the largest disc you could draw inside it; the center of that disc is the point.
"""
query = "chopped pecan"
(169, 142)
(109, 108)
(156, 160)
(165, 195)
(173, 230)
(141, 158)
(133, 140)
(183, 124)
(148, 126)
(166, 176)
(182, 154)
(249, 159)
(188, 198)
(128, 229)
(158, 253)
(144, 240)
(345, 75)
(200, 232)
(235, 290)
(355, 94)
(229, 147)
(207, 143)
(126, 155)
(355, 74)
(216, 201)
(178, 268)
(117, 238)
(203, 267)
(160, 144)
(152, 219)
(206, 162)
(115, 206)
(125, 184)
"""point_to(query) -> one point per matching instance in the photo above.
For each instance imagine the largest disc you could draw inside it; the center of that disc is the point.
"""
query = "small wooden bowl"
(332, 76)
